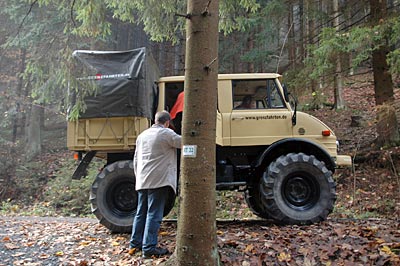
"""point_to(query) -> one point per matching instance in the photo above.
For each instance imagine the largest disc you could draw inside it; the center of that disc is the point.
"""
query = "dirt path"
(76, 241)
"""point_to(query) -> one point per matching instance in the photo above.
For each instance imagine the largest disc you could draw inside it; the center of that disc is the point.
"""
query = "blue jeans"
(148, 218)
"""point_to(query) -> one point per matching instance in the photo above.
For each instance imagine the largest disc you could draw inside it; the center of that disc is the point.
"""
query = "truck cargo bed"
(105, 134)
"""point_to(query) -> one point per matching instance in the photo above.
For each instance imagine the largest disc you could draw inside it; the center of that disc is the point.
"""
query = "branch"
(283, 45)
(72, 13)
(26, 15)
(21, 24)
(208, 67)
(187, 16)
(205, 12)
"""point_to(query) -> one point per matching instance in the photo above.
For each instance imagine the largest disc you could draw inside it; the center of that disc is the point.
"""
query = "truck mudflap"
(80, 171)
(343, 161)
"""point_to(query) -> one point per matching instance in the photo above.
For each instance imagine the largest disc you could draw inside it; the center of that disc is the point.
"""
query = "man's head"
(162, 118)
(247, 100)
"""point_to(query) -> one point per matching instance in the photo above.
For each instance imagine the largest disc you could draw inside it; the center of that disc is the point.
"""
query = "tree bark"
(178, 56)
(161, 58)
(291, 39)
(250, 47)
(302, 34)
(196, 237)
(34, 144)
(382, 77)
(383, 84)
(387, 125)
(16, 119)
(339, 101)
(311, 34)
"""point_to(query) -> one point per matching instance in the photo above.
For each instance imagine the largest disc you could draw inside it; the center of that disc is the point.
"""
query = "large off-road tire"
(253, 199)
(298, 189)
(114, 198)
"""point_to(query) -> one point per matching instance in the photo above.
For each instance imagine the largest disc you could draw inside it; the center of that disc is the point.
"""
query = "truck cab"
(269, 119)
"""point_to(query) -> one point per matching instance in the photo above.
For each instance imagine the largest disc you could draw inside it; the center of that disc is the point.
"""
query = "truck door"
(260, 115)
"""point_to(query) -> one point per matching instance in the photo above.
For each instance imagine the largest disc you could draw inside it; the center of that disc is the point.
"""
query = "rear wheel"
(114, 199)
(298, 189)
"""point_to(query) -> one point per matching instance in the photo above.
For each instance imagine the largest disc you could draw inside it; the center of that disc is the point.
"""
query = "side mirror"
(294, 104)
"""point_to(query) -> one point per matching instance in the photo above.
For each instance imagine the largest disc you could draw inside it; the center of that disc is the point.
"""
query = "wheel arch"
(295, 145)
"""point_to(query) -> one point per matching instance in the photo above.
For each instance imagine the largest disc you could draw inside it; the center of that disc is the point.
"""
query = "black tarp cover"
(126, 82)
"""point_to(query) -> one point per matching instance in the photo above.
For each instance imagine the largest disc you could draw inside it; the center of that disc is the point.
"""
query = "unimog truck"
(282, 159)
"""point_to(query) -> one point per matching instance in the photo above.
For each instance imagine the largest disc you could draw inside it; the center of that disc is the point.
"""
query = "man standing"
(155, 166)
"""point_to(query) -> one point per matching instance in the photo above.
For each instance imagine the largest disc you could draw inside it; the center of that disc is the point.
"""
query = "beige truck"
(282, 159)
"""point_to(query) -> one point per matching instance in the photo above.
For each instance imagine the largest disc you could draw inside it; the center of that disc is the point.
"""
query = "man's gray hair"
(162, 117)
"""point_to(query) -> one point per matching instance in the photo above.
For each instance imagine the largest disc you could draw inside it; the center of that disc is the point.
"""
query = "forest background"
(341, 59)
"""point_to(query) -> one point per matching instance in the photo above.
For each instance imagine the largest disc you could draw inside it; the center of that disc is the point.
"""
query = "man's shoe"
(156, 252)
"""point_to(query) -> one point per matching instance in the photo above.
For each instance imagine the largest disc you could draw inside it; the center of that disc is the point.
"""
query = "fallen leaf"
(59, 253)
(84, 243)
(284, 257)
(44, 256)
(388, 251)
(19, 254)
(231, 243)
(83, 263)
(249, 248)
(11, 246)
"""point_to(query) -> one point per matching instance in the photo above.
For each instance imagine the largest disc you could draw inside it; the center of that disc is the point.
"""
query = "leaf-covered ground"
(77, 241)
(362, 230)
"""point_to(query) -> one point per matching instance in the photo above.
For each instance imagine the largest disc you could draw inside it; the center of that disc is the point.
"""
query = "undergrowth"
(51, 194)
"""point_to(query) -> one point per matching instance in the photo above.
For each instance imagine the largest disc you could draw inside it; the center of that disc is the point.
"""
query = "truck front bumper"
(343, 161)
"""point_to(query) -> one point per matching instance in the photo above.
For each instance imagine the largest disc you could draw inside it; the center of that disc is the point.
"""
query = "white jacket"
(155, 158)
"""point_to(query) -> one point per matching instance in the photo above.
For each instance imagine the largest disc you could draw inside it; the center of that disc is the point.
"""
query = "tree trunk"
(302, 38)
(250, 47)
(34, 144)
(383, 84)
(161, 58)
(291, 39)
(196, 237)
(178, 58)
(339, 102)
(387, 125)
(235, 65)
(382, 77)
(16, 119)
(311, 35)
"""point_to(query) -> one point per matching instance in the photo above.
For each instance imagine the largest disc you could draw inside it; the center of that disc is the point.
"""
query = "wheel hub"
(123, 197)
(300, 192)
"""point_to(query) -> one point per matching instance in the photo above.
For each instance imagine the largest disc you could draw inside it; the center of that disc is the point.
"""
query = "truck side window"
(263, 93)
(243, 94)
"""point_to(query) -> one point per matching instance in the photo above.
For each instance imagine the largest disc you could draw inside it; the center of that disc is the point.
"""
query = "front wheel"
(114, 199)
(298, 189)
(253, 199)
